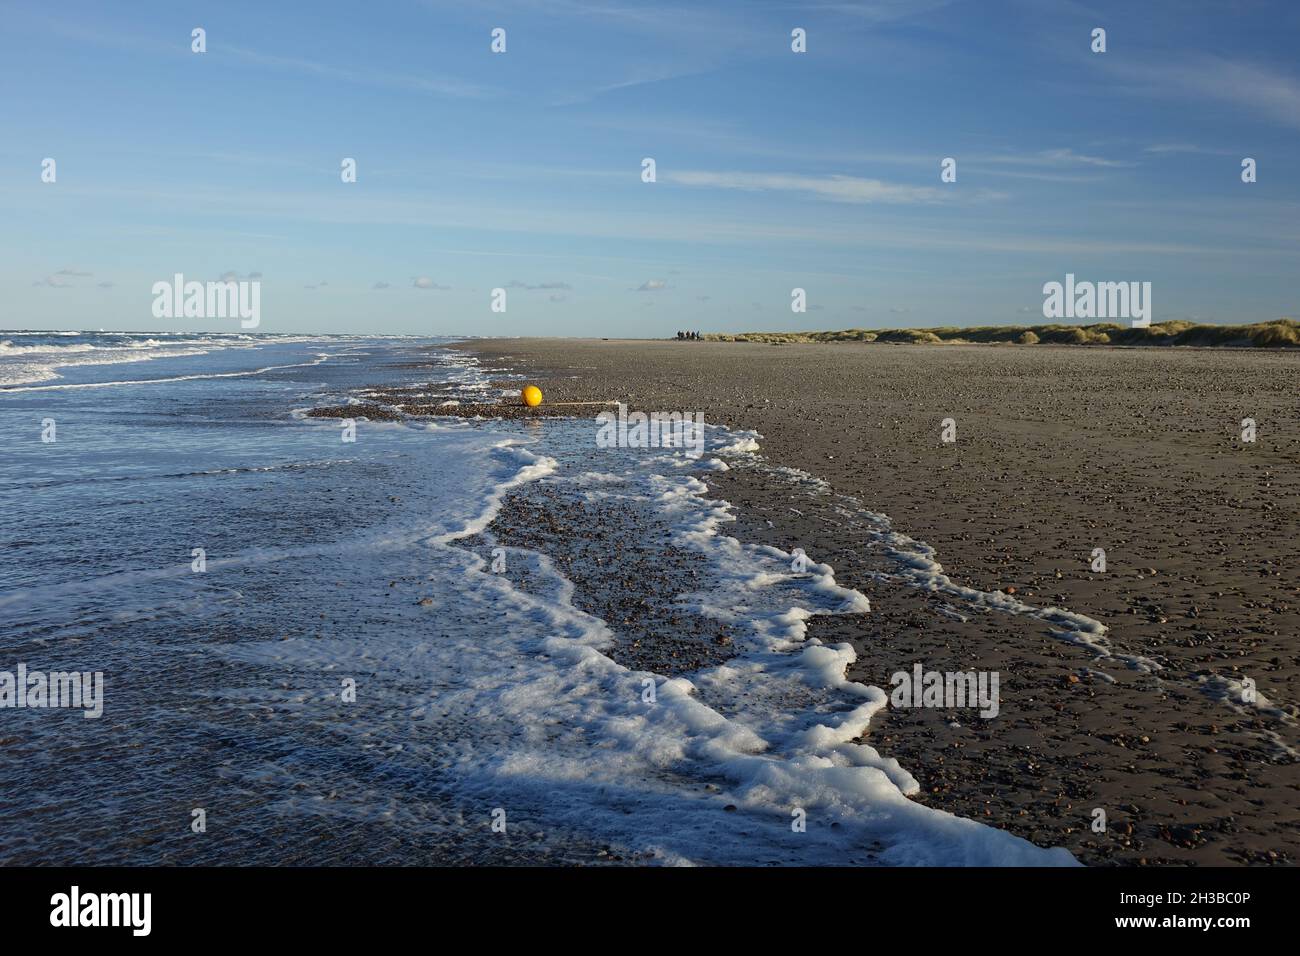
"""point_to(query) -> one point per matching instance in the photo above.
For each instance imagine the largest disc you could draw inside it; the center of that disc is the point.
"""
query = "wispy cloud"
(1069, 157)
(651, 285)
(428, 83)
(642, 77)
(1054, 158)
(848, 189)
(1160, 149)
(599, 221)
(1259, 90)
(541, 286)
(879, 11)
(422, 82)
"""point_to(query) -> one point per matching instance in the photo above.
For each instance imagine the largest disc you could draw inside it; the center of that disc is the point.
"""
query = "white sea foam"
(525, 708)
(916, 563)
(23, 360)
(26, 358)
(198, 376)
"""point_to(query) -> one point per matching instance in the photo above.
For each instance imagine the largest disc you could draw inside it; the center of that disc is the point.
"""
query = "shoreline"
(1184, 775)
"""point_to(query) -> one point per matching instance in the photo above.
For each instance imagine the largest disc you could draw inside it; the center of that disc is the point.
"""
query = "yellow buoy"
(532, 395)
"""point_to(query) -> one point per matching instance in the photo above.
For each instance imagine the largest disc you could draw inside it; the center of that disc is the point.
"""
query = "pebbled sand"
(1059, 450)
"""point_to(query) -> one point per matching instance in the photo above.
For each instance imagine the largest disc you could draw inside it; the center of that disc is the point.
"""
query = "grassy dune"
(1284, 333)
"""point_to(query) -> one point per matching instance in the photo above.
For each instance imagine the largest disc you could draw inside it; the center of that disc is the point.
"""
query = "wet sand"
(1059, 451)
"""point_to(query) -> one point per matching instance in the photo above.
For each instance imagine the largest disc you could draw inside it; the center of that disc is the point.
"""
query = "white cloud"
(1162, 148)
(835, 188)
(424, 282)
(651, 285)
(1052, 158)
(1070, 158)
(1255, 89)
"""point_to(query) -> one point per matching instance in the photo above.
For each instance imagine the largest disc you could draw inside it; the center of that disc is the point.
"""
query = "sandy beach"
(1058, 451)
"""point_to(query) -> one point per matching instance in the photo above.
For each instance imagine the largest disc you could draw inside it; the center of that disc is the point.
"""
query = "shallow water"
(480, 696)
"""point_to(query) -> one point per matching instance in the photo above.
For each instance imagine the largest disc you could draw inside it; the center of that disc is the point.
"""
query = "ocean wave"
(28, 357)
(198, 376)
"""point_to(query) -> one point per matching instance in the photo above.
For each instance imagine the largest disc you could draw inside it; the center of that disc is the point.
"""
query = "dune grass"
(1283, 333)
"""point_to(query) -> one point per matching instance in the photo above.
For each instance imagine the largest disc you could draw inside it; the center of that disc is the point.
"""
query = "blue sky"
(523, 170)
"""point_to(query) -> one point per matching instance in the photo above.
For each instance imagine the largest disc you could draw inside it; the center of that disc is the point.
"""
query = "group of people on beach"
(688, 335)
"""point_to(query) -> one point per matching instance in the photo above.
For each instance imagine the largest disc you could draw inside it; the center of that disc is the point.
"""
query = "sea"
(314, 650)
